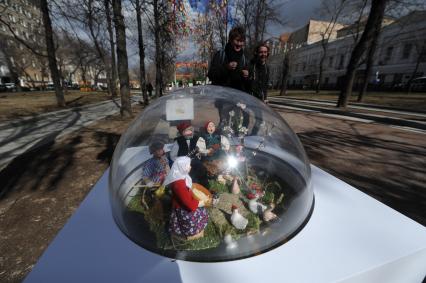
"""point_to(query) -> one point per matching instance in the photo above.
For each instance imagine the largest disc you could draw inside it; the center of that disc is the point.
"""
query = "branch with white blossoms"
(228, 131)
(241, 105)
(242, 131)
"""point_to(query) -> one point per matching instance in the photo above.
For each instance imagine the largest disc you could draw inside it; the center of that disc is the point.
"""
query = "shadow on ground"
(392, 172)
(45, 165)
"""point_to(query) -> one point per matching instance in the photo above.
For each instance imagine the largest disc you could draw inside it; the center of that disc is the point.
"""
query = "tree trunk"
(98, 48)
(321, 68)
(112, 46)
(369, 63)
(158, 74)
(141, 54)
(123, 69)
(421, 54)
(284, 79)
(51, 53)
(374, 18)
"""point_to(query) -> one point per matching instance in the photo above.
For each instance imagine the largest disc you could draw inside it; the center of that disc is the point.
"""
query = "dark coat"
(219, 74)
(259, 79)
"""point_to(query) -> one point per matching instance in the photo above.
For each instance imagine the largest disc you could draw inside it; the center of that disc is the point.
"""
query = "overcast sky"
(295, 13)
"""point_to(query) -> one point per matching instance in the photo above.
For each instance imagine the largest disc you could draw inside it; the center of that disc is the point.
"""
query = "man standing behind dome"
(229, 66)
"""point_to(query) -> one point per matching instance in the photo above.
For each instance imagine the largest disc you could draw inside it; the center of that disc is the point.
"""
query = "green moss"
(210, 239)
(268, 197)
(218, 187)
(253, 224)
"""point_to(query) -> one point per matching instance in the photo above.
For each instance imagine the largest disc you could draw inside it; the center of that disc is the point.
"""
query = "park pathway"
(20, 136)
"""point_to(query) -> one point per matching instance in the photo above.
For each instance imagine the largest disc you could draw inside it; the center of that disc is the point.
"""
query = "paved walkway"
(25, 134)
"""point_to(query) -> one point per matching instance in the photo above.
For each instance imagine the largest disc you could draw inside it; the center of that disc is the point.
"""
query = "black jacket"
(219, 74)
(259, 79)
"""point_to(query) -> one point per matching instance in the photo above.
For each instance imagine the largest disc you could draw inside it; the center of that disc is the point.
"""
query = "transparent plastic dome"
(251, 181)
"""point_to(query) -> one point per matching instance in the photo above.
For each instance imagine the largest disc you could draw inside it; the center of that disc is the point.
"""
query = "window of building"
(330, 61)
(397, 79)
(406, 50)
(341, 61)
(388, 53)
(326, 80)
(423, 52)
(304, 66)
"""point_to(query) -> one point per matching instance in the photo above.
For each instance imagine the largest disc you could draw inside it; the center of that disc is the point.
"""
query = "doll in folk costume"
(156, 168)
(186, 145)
(211, 144)
(212, 147)
(189, 217)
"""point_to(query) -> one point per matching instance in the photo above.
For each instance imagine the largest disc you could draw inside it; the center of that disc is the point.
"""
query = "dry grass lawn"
(14, 105)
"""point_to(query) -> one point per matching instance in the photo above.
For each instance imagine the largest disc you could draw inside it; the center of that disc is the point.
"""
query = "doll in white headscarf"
(189, 217)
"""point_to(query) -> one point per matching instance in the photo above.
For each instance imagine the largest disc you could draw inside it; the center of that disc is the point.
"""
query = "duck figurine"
(268, 215)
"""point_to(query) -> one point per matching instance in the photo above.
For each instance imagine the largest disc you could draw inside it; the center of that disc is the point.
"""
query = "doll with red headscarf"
(211, 144)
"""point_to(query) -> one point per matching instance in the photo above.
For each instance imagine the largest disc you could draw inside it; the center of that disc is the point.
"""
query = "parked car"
(10, 87)
(418, 84)
(50, 86)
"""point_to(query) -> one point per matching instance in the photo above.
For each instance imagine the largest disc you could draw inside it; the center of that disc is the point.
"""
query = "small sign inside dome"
(180, 109)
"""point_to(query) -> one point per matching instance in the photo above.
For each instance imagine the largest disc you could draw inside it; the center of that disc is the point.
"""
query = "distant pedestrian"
(149, 88)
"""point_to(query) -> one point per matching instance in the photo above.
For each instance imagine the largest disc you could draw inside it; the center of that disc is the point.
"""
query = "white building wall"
(390, 65)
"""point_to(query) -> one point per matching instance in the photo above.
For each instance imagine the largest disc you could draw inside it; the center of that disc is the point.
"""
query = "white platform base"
(350, 238)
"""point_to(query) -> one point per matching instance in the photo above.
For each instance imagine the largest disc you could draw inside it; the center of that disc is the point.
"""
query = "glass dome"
(210, 174)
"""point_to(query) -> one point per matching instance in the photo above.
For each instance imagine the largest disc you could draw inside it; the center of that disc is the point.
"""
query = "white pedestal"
(350, 238)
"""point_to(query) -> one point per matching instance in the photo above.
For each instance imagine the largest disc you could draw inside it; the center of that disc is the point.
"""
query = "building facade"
(18, 64)
(400, 55)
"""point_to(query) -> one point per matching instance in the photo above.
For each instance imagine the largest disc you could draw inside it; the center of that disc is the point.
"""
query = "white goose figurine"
(237, 220)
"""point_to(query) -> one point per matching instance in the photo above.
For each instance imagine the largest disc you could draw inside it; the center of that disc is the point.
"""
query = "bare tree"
(375, 18)
(256, 16)
(141, 50)
(371, 50)
(51, 53)
(112, 48)
(332, 9)
(157, 38)
(289, 52)
(123, 69)
(420, 49)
